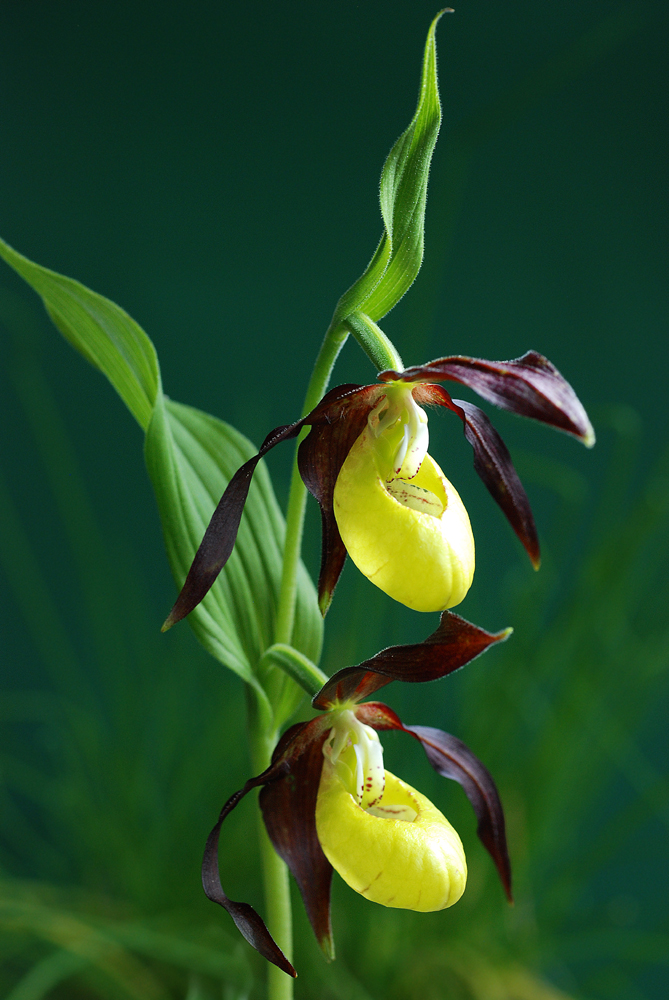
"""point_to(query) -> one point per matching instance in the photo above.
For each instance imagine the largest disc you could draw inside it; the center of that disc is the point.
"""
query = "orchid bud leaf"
(530, 386)
(298, 666)
(455, 643)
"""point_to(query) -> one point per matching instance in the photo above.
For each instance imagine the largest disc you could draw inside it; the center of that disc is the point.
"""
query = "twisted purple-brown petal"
(302, 742)
(454, 643)
(245, 917)
(320, 458)
(530, 386)
(221, 534)
(451, 758)
(493, 464)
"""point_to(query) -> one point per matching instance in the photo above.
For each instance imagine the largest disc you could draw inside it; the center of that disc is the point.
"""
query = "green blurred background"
(213, 168)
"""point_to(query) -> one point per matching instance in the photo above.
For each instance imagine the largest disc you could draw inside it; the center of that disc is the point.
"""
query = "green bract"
(403, 190)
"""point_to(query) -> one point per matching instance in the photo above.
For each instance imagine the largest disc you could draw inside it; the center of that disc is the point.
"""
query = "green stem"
(334, 340)
(383, 354)
(275, 873)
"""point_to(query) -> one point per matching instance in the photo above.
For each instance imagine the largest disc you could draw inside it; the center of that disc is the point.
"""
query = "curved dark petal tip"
(324, 602)
(171, 619)
(589, 439)
(184, 604)
(254, 930)
(327, 947)
(451, 758)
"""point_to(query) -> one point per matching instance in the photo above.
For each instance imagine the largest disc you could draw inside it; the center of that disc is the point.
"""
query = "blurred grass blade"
(131, 978)
(112, 947)
(399, 255)
(44, 976)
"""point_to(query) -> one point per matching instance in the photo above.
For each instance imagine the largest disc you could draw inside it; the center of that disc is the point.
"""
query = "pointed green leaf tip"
(403, 191)
(100, 330)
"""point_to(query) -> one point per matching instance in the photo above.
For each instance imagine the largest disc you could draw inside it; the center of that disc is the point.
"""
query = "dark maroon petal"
(451, 758)
(245, 917)
(530, 386)
(493, 464)
(219, 538)
(295, 742)
(289, 811)
(455, 643)
(320, 458)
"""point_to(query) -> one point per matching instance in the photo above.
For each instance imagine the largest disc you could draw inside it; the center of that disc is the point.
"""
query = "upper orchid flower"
(327, 801)
(381, 495)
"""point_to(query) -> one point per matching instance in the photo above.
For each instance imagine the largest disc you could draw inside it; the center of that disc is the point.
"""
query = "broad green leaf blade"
(191, 456)
(403, 191)
(100, 330)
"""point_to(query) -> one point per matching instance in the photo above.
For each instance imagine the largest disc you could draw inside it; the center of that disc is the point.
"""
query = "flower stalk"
(383, 354)
(275, 873)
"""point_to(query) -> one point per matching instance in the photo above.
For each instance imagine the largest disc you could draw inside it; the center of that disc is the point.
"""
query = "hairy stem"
(383, 354)
(334, 340)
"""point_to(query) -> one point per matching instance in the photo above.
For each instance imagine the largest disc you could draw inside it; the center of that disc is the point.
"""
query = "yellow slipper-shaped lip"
(413, 864)
(421, 558)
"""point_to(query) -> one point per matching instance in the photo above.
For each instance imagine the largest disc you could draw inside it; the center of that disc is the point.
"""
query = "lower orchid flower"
(328, 803)
(382, 497)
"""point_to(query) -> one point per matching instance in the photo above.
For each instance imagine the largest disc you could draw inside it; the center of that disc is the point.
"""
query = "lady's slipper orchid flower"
(327, 801)
(382, 496)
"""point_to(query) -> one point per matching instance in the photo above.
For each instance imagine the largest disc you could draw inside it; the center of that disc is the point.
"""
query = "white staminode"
(362, 773)
(398, 405)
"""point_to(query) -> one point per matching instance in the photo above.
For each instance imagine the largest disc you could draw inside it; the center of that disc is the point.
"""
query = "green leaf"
(190, 457)
(399, 255)
(98, 329)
